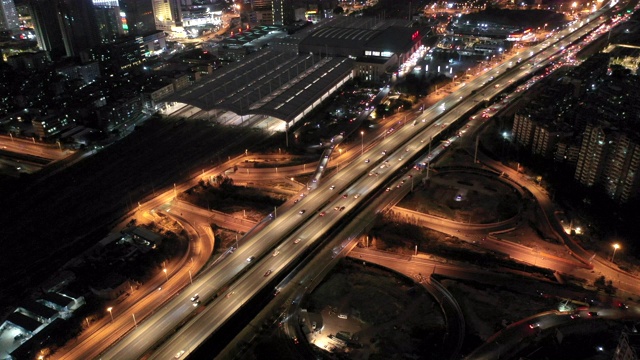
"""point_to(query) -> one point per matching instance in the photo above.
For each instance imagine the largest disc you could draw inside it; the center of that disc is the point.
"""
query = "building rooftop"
(57, 299)
(23, 321)
(274, 83)
(39, 309)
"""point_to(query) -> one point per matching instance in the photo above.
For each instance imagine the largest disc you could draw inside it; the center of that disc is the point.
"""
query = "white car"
(179, 354)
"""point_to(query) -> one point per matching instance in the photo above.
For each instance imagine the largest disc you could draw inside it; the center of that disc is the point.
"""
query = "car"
(302, 211)
(341, 208)
(250, 258)
(623, 306)
(276, 252)
(179, 354)
(575, 316)
(296, 201)
(345, 196)
(337, 208)
(322, 213)
(406, 150)
(297, 240)
(356, 196)
(534, 325)
(195, 297)
(384, 152)
(593, 313)
(367, 161)
(388, 189)
(196, 303)
(332, 187)
(230, 294)
(295, 340)
(267, 273)
(159, 288)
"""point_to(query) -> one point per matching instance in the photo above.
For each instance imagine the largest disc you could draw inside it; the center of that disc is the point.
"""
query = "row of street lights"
(135, 323)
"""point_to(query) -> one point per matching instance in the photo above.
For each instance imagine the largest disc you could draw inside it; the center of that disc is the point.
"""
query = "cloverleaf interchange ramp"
(315, 200)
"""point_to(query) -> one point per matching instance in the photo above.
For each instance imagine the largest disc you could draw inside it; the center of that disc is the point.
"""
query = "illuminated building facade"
(8, 15)
(168, 14)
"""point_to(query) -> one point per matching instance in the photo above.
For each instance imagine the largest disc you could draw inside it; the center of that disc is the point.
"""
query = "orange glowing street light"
(110, 310)
(615, 248)
(165, 273)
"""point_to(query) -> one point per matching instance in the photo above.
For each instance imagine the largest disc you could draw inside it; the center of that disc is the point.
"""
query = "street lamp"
(110, 310)
(165, 273)
(615, 247)
(362, 146)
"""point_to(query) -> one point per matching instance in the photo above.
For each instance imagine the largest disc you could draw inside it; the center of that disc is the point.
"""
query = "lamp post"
(135, 323)
(362, 142)
(110, 310)
(615, 248)
(165, 273)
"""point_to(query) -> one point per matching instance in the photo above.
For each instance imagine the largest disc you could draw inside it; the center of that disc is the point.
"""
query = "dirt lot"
(231, 199)
(464, 197)
(388, 316)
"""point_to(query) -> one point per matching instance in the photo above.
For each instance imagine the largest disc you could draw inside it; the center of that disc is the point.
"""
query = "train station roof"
(268, 82)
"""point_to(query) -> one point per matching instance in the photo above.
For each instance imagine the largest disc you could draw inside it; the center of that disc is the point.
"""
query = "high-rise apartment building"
(8, 15)
(592, 155)
(523, 129)
(621, 172)
(612, 159)
(544, 140)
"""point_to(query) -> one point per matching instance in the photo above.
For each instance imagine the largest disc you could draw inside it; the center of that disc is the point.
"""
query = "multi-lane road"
(283, 231)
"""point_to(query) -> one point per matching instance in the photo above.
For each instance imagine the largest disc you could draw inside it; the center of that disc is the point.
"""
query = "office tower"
(283, 12)
(44, 15)
(79, 25)
(65, 27)
(112, 24)
(139, 16)
(168, 14)
(8, 15)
